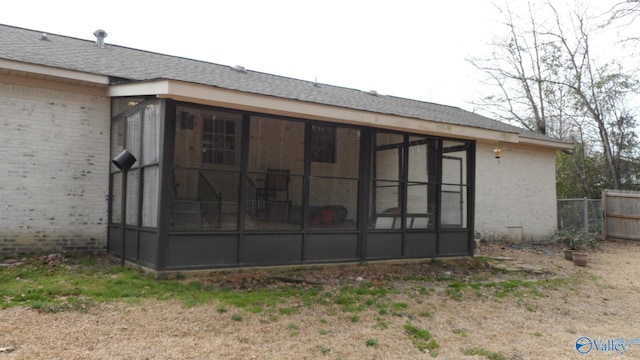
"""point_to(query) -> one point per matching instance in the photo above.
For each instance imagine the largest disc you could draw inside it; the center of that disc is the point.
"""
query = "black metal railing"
(255, 199)
(210, 203)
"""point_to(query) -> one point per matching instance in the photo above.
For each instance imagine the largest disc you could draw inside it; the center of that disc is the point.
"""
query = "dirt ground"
(602, 306)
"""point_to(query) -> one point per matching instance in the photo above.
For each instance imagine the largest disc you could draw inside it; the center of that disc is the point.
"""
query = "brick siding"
(516, 191)
(54, 183)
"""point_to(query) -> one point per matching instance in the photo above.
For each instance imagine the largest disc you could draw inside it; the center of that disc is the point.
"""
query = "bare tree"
(625, 12)
(550, 82)
(519, 66)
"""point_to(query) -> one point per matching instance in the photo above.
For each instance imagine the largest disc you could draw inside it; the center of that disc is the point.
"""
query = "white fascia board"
(158, 88)
(209, 95)
(560, 145)
(53, 72)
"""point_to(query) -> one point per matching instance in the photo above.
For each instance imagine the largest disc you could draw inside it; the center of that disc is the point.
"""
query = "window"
(218, 141)
(206, 175)
(323, 143)
(138, 131)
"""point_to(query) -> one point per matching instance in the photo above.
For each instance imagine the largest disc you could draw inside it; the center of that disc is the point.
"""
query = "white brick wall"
(518, 190)
(55, 162)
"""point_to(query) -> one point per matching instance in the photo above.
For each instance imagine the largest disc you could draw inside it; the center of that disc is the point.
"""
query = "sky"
(415, 49)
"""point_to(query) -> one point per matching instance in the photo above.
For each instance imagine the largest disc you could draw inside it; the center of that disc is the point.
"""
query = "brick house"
(242, 168)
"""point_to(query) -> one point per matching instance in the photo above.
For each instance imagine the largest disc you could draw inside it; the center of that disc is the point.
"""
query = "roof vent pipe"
(100, 35)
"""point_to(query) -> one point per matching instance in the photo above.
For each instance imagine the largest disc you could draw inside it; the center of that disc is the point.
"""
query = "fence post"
(603, 206)
(586, 217)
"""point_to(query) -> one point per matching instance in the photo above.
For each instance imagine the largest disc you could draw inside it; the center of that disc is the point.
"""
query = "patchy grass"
(381, 324)
(324, 350)
(358, 298)
(386, 301)
(78, 283)
(461, 332)
(371, 342)
(74, 283)
(294, 330)
(457, 288)
(421, 339)
(398, 308)
(328, 312)
(483, 352)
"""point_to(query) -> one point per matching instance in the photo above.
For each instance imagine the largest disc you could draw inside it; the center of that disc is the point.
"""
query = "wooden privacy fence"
(621, 215)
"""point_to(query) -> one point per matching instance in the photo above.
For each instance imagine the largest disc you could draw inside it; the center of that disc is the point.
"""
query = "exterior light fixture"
(497, 152)
(124, 161)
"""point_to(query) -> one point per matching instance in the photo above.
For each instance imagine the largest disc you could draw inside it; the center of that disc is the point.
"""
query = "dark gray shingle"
(120, 62)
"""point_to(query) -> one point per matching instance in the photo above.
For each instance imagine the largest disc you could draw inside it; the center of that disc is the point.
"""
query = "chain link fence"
(580, 215)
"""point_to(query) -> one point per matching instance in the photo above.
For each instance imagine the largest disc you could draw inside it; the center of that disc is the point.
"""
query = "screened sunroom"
(218, 187)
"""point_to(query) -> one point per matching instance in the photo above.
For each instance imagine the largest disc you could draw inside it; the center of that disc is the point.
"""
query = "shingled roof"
(126, 64)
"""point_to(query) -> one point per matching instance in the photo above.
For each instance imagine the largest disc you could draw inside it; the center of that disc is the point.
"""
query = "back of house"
(241, 168)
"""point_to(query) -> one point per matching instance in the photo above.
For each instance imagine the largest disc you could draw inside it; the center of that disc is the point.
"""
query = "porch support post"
(124, 161)
(123, 216)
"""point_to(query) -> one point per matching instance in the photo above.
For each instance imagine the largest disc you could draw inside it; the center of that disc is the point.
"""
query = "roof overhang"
(17, 68)
(559, 145)
(214, 96)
